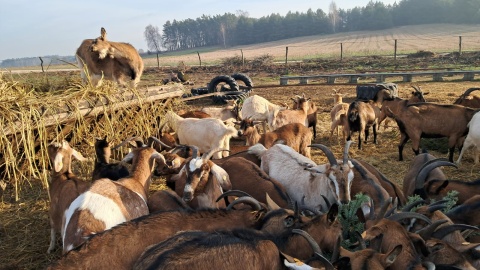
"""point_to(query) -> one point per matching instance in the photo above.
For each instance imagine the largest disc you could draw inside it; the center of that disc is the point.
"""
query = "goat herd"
(267, 205)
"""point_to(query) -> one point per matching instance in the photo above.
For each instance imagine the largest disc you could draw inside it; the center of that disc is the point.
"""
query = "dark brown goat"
(468, 100)
(430, 120)
(361, 116)
(103, 168)
(437, 189)
(165, 200)
(295, 135)
(311, 113)
(467, 213)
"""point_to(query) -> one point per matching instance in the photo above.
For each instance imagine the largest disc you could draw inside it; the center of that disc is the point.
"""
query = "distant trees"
(154, 40)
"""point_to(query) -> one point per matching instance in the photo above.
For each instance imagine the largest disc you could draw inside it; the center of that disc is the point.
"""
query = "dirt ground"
(30, 216)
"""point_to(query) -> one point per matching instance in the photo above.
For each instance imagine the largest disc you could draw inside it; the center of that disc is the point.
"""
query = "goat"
(258, 108)
(303, 179)
(107, 203)
(338, 114)
(295, 135)
(193, 114)
(64, 185)
(311, 113)
(206, 134)
(282, 117)
(438, 189)
(396, 103)
(248, 177)
(361, 116)
(200, 181)
(423, 168)
(430, 120)
(472, 139)
(165, 200)
(367, 258)
(468, 100)
(116, 61)
(102, 251)
(103, 168)
(227, 113)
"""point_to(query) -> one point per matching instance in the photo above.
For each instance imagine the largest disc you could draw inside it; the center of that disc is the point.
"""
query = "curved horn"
(426, 233)
(428, 167)
(327, 202)
(470, 90)
(404, 215)
(345, 152)
(209, 154)
(336, 249)
(177, 148)
(246, 200)
(410, 206)
(417, 88)
(310, 240)
(383, 210)
(126, 141)
(444, 231)
(158, 141)
(328, 153)
(394, 207)
(361, 241)
(235, 192)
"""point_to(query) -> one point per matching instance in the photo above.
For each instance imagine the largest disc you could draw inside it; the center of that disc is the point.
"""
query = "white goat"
(472, 139)
(283, 117)
(108, 203)
(206, 133)
(64, 186)
(227, 113)
(258, 108)
(304, 180)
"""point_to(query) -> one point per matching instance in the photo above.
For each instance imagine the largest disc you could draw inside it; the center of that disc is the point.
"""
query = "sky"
(57, 27)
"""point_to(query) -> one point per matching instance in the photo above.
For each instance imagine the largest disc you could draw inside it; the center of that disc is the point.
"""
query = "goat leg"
(403, 140)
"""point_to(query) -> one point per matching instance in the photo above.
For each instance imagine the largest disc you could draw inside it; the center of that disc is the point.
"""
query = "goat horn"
(125, 142)
(345, 152)
(327, 202)
(426, 233)
(394, 207)
(429, 166)
(434, 208)
(194, 151)
(235, 192)
(410, 206)
(177, 148)
(444, 231)
(336, 249)
(404, 215)
(328, 153)
(361, 241)
(428, 265)
(470, 90)
(417, 88)
(310, 240)
(326, 263)
(383, 210)
(210, 153)
(246, 200)
(158, 141)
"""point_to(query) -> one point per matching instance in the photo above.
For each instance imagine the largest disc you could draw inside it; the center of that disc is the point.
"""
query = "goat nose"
(344, 201)
(240, 133)
(187, 197)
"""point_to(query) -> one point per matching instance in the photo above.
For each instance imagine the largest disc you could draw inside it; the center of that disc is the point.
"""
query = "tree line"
(238, 29)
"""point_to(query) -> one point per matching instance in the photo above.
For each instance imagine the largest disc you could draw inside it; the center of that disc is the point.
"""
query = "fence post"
(199, 59)
(341, 51)
(243, 59)
(459, 44)
(395, 51)
(286, 55)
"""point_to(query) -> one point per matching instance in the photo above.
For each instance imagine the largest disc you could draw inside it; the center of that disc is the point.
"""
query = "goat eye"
(289, 222)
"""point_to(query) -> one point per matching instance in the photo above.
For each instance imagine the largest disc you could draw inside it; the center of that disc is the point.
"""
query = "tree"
(333, 14)
(154, 40)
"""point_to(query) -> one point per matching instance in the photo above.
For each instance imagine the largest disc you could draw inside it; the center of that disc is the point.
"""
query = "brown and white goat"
(295, 135)
(200, 181)
(227, 113)
(430, 120)
(468, 100)
(64, 185)
(282, 117)
(103, 168)
(116, 61)
(103, 251)
(311, 113)
(108, 203)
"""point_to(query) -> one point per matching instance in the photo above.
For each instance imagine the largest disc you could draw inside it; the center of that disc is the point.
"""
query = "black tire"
(231, 95)
(245, 79)
(226, 80)
(199, 91)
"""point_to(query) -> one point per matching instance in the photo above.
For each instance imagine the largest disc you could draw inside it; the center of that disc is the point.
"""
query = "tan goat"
(116, 61)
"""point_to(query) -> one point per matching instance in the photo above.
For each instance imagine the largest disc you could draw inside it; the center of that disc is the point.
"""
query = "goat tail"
(257, 150)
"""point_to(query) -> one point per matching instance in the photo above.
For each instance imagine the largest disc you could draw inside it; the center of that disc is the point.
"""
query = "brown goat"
(467, 213)
(116, 61)
(430, 120)
(102, 251)
(193, 114)
(295, 135)
(338, 115)
(311, 113)
(165, 200)
(282, 117)
(367, 259)
(361, 116)
(64, 185)
(468, 100)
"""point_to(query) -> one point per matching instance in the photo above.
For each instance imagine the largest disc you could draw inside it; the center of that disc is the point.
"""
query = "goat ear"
(392, 255)
(58, 162)
(77, 155)
(221, 175)
(419, 244)
(332, 213)
(343, 263)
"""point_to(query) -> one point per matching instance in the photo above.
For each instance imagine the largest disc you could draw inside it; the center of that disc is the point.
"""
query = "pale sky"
(31, 28)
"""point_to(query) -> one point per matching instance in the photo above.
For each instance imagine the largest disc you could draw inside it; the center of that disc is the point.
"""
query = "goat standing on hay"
(115, 61)
(311, 113)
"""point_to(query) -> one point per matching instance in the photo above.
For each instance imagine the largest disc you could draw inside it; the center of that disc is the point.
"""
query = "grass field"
(24, 228)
